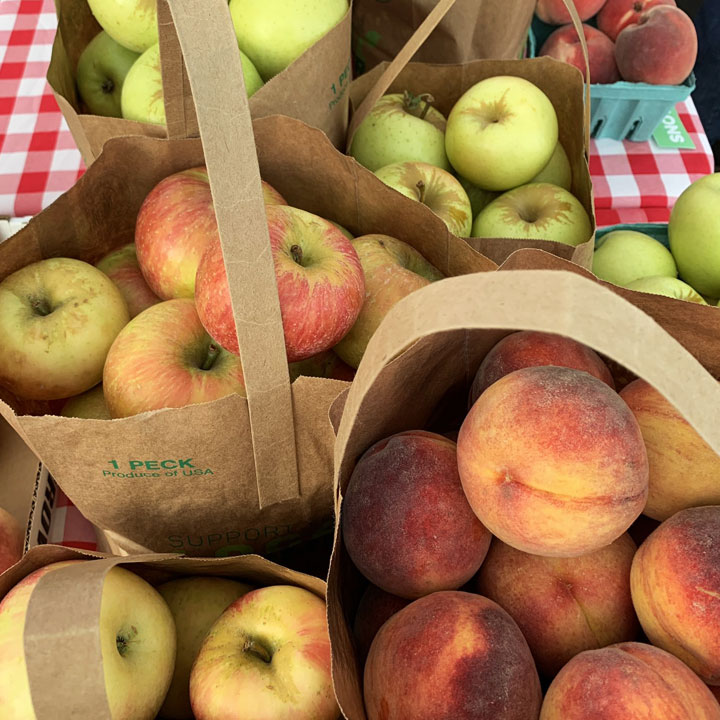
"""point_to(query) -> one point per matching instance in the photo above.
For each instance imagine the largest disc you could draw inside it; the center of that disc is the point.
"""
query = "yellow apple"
(90, 404)
(132, 23)
(668, 286)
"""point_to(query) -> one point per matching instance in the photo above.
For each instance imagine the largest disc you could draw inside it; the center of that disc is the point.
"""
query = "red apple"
(554, 12)
(164, 358)
(122, 267)
(175, 225)
(319, 279)
(564, 45)
(616, 15)
(12, 539)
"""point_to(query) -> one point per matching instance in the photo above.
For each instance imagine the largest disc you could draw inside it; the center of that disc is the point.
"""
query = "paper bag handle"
(416, 40)
(577, 24)
(226, 131)
(534, 300)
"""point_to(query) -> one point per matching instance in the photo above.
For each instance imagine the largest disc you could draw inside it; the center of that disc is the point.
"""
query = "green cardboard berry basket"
(622, 110)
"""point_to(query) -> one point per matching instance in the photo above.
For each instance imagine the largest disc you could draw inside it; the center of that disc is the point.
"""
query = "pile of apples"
(504, 558)
(153, 320)
(202, 647)
(118, 73)
(643, 41)
(493, 168)
(637, 261)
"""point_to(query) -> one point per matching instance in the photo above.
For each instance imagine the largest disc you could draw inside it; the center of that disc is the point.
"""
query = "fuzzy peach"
(675, 584)
(376, 607)
(684, 469)
(529, 348)
(616, 15)
(660, 49)
(552, 462)
(451, 655)
(406, 523)
(554, 12)
(564, 45)
(629, 681)
(563, 606)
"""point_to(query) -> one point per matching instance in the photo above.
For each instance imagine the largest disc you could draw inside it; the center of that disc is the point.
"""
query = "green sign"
(671, 133)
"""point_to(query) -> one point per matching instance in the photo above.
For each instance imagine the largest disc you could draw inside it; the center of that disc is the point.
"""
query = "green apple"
(132, 23)
(694, 232)
(142, 96)
(274, 33)
(537, 211)
(393, 269)
(557, 171)
(479, 198)
(501, 132)
(90, 404)
(195, 603)
(622, 256)
(101, 71)
(401, 127)
(434, 187)
(669, 286)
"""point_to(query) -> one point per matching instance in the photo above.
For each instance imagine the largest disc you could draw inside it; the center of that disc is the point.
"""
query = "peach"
(660, 49)
(616, 15)
(451, 655)
(554, 12)
(629, 681)
(675, 585)
(12, 539)
(563, 606)
(375, 608)
(552, 462)
(684, 470)
(533, 349)
(406, 523)
(564, 45)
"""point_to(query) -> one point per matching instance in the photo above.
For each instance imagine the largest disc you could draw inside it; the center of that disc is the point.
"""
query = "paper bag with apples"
(181, 467)
(442, 363)
(497, 148)
(474, 29)
(102, 637)
(282, 77)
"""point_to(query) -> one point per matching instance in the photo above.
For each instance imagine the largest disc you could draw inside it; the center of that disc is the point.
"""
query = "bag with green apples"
(91, 636)
(111, 82)
(522, 180)
(202, 469)
(472, 30)
(451, 403)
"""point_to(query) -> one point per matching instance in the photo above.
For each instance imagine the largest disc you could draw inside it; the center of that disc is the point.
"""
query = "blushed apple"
(537, 211)
(266, 658)
(137, 641)
(100, 75)
(694, 232)
(501, 132)
(319, 279)
(622, 256)
(122, 267)
(90, 404)
(402, 127)
(434, 187)
(668, 286)
(58, 319)
(195, 603)
(164, 358)
(132, 23)
(12, 539)
(393, 269)
(274, 33)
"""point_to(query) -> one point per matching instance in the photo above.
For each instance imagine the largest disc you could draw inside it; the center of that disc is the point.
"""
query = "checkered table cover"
(69, 527)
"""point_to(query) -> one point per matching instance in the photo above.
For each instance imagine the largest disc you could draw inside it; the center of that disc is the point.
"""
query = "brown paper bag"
(245, 475)
(561, 82)
(312, 89)
(429, 348)
(61, 627)
(473, 30)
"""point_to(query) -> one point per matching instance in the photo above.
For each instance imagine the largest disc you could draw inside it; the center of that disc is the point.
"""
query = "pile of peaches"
(644, 41)
(506, 581)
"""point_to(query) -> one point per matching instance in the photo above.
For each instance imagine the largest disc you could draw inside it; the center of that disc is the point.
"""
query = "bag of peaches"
(208, 452)
(522, 486)
(498, 149)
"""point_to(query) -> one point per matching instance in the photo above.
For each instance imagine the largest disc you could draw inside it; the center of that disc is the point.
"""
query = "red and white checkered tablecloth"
(69, 527)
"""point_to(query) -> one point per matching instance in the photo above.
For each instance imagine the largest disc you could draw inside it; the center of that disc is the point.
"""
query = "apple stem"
(297, 254)
(420, 185)
(213, 352)
(413, 103)
(260, 651)
(40, 306)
